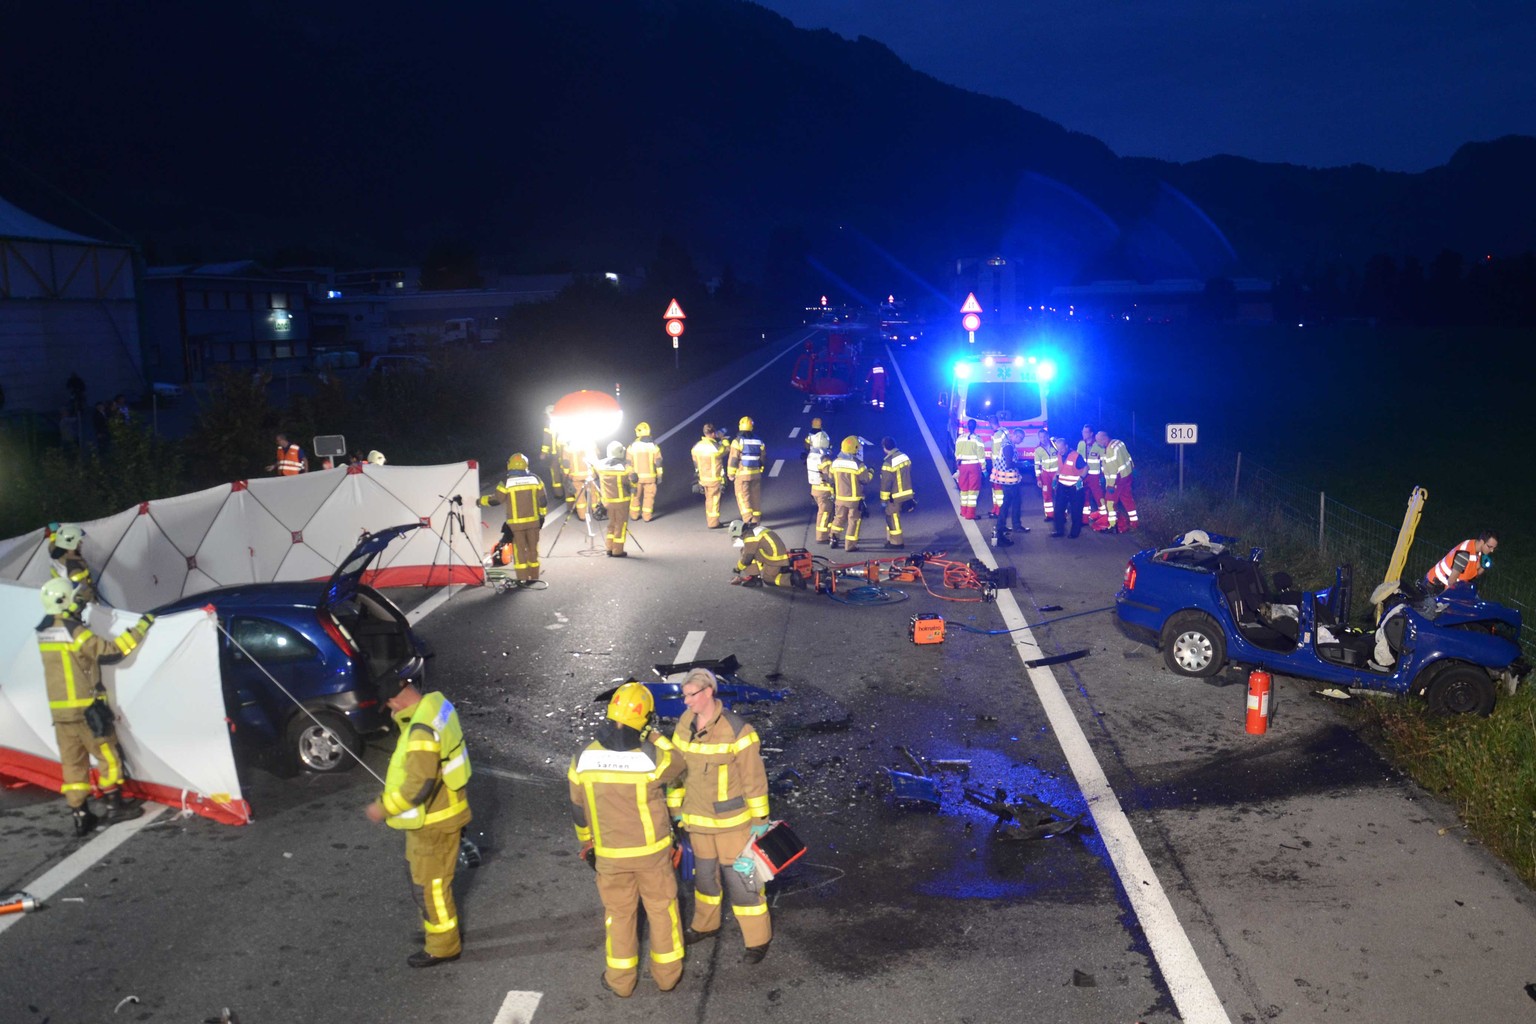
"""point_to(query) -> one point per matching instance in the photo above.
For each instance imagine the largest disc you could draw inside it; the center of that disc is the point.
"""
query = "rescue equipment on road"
(773, 848)
(927, 628)
(1258, 702)
(18, 903)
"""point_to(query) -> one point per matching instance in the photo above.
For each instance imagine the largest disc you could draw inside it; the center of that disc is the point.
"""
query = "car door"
(267, 658)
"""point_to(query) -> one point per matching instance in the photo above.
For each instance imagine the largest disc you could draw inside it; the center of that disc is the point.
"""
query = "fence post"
(1237, 476)
(1322, 511)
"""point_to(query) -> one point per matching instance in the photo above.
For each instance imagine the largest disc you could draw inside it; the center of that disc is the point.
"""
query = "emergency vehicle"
(991, 384)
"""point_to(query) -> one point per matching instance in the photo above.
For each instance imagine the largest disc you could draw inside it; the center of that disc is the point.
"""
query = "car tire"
(1461, 690)
(1193, 645)
(311, 748)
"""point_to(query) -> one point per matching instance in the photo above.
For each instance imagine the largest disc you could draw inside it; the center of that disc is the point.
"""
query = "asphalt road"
(1216, 876)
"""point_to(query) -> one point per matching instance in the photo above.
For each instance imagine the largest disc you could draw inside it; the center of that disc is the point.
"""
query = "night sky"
(1397, 84)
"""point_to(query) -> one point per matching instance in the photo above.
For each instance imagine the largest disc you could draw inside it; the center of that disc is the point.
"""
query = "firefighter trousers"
(524, 538)
(618, 526)
(845, 524)
(749, 497)
(714, 853)
(893, 523)
(826, 505)
(77, 747)
(711, 504)
(643, 504)
(433, 854)
(625, 885)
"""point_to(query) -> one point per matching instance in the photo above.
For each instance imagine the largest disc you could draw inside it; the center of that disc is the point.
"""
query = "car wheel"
(1193, 645)
(1461, 690)
(325, 743)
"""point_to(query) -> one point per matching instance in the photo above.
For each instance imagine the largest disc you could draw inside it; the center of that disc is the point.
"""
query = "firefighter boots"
(84, 821)
(119, 809)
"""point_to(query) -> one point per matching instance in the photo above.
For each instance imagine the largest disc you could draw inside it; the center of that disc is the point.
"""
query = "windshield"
(1019, 400)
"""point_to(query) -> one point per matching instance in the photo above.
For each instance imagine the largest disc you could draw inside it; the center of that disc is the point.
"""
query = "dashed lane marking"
(437, 600)
(518, 1008)
(691, 644)
(795, 432)
(1188, 983)
(778, 464)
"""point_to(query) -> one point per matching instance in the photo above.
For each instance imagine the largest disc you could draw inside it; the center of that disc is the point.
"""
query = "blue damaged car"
(1209, 607)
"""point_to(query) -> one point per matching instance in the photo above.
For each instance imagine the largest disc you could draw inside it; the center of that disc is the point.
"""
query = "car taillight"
(334, 632)
(1130, 575)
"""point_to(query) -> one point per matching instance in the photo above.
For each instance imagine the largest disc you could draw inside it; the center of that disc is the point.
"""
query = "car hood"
(344, 581)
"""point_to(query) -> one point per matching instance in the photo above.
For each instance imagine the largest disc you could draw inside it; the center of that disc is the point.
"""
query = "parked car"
(392, 364)
(301, 662)
(1209, 607)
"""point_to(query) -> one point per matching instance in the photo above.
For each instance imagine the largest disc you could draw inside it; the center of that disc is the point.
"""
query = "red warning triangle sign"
(971, 305)
(674, 312)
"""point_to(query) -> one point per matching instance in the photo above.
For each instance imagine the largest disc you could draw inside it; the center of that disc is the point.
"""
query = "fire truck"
(999, 389)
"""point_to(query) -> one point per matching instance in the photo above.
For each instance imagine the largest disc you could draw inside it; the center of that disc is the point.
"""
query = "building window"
(278, 300)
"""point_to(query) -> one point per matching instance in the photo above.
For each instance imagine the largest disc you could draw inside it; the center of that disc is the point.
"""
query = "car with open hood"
(1209, 606)
(306, 666)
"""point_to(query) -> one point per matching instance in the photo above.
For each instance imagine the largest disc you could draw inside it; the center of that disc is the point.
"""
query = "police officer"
(523, 494)
(761, 556)
(424, 797)
(848, 476)
(615, 482)
(745, 469)
(72, 659)
(723, 795)
(645, 460)
(895, 490)
(709, 469)
(619, 806)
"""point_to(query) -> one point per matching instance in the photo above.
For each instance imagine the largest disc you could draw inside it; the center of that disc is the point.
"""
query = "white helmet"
(57, 595)
(376, 457)
(68, 537)
(615, 449)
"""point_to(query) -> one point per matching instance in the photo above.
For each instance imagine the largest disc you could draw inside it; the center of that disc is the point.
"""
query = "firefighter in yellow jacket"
(523, 494)
(69, 563)
(709, 469)
(744, 468)
(895, 490)
(724, 793)
(424, 797)
(848, 476)
(645, 461)
(762, 557)
(619, 806)
(576, 459)
(72, 659)
(615, 486)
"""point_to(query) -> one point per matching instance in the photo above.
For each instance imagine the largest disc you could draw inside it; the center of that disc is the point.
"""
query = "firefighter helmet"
(736, 527)
(57, 595)
(67, 537)
(745, 424)
(376, 457)
(615, 449)
(632, 705)
(517, 461)
(642, 430)
(850, 445)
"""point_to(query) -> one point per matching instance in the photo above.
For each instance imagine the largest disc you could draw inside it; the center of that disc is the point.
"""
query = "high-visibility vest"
(968, 448)
(1093, 455)
(814, 461)
(1447, 573)
(645, 457)
(896, 476)
(747, 453)
(1046, 460)
(525, 498)
(1071, 471)
(706, 460)
(1117, 462)
(289, 462)
(447, 741)
(848, 478)
(999, 438)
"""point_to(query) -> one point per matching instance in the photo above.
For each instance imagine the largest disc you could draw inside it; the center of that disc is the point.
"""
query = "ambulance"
(994, 386)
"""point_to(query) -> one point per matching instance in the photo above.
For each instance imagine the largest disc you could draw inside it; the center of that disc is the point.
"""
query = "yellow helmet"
(745, 424)
(815, 422)
(57, 595)
(642, 430)
(632, 705)
(517, 460)
(376, 457)
(68, 537)
(850, 445)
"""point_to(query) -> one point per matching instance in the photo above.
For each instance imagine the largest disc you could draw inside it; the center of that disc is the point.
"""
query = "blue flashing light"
(1046, 371)
(962, 371)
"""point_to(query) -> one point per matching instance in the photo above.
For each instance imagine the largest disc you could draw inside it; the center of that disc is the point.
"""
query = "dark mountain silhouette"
(577, 134)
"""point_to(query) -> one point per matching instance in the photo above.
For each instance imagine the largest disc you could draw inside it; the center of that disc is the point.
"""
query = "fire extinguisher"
(1258, 702)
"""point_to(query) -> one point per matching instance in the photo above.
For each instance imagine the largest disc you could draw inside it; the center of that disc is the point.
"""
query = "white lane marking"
(806, 409)
(701, 410)
(1188, 983)
(795, 432)
(518, 1008)
(76, 864)
(690, 649)
(778, 464)
(437, 600)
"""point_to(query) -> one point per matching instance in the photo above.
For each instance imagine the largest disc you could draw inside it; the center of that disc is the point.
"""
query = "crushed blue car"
(1208, 606)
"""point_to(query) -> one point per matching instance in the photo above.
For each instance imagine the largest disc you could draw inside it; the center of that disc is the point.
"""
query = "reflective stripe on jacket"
(1117, 462)
(726, 785)
(847, 475)
(896, 476)
(1459, 565)
(72, 659)
(815, 462)
(708, 460)
(525, 499)
(968, 448)
(1071, 471)
(619, 797)
(645, 459)
(615, 480)
(289, 462)
(429, 769)
(746, 457)
(1046, 460)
